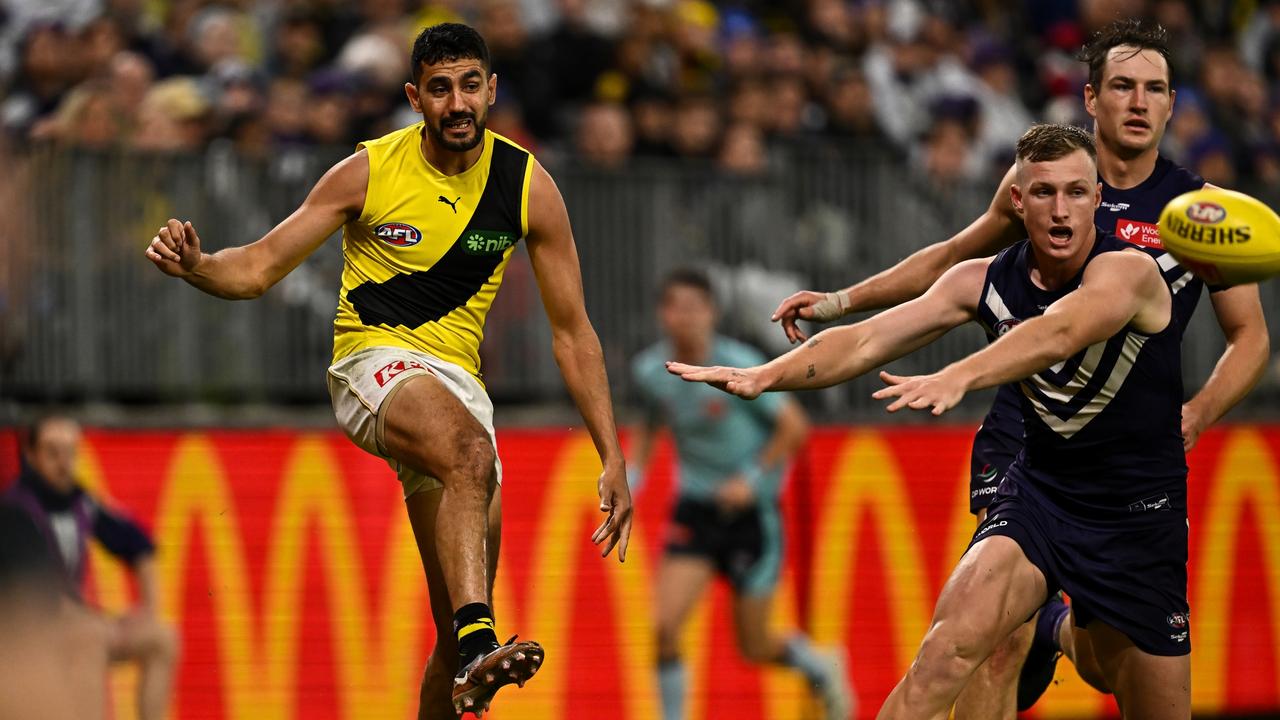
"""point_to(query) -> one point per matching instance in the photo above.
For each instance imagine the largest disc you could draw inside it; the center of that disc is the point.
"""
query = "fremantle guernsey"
(1131, 215)
(1103, 438)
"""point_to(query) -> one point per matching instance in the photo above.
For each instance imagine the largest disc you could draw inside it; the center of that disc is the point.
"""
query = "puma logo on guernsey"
(452, 205)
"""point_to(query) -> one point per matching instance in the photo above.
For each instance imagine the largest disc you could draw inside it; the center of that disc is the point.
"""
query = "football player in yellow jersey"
(430, 216)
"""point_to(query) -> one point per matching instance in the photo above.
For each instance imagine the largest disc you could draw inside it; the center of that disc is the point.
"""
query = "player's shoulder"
(410, 134)
(1113, 255)
(1174, 174)
(728, 351)
(508, 142)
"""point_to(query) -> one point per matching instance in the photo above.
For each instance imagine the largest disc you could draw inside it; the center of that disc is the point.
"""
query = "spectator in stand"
(696, 127)
(66, 516)
(818, 71)
(174, 117)
(604, 137)
(742, 151)
(651, 111)
(850, 106)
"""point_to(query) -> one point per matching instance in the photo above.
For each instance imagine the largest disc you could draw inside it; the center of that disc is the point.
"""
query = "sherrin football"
(1225, 237)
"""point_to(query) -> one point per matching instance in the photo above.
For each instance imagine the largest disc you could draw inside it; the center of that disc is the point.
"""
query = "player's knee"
(948, 655)
(756, 649)
(477, 461)
(1006, 659)
(166, 645)
(668, 642)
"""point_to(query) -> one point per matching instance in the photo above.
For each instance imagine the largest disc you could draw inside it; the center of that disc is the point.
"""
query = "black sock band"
(473, 625)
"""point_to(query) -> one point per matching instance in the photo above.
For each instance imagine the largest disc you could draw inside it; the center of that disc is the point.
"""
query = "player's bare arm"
(1118, 290)
(994, 230)
(839, 354)
(1241, 365)
(246, 272)
(577, 350)
(144, 574)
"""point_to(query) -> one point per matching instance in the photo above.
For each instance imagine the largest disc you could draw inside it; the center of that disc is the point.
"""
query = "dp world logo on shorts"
(398, 234)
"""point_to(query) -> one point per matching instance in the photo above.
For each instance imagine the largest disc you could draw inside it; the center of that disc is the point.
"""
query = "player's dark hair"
(687, 277)
(1132, 32)
(1051, 141)
(447, 42)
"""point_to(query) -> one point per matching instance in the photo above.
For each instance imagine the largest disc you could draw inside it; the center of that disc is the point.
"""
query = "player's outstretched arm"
(994, 230)
(1241, 365)
(839, 354)
(1119, 289)
(245, 272)
(577, 350)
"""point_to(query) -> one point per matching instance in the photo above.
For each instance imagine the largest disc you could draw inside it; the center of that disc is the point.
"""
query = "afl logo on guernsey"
(1005, 326)
(1206, 213)
(398, 234)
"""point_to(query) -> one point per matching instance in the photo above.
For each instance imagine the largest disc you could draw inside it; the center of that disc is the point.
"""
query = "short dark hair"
(1051, 141)
(447, 42)
(687, 277)
(1133, 32)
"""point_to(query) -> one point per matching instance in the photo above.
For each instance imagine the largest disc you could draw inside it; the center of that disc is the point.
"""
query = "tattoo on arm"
(812, 372)
(815, 342)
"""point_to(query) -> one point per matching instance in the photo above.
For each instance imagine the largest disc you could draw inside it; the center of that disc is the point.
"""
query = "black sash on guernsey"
(411, 299)
(1102, 428)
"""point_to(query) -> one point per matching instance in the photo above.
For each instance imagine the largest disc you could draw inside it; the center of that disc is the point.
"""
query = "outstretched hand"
(939, 391)
(615, 499)
(745, 383)
(808, 305)
(175, 249)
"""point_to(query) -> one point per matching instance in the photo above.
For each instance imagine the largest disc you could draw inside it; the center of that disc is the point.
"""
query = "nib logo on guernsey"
(1139, 233)
(486, 242)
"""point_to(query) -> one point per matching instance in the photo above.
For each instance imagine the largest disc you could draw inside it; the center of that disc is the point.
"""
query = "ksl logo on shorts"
(385, 374)
(1178, 620)
(398, 234)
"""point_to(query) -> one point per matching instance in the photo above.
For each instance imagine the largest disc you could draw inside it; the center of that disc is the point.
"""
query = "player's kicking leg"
(436, 695)
(428, 429)
(993, 590)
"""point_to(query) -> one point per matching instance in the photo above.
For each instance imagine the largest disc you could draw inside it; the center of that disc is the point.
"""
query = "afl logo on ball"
(398, 234)
(1206, 213)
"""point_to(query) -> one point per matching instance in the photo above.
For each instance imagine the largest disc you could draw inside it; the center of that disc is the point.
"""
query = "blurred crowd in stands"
(945, 85)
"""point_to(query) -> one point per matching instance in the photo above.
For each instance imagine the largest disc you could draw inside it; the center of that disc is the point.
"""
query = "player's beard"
(477, 134)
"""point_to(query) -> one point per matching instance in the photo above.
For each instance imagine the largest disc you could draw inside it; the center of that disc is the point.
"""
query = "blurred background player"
(732, 454)
(1130, 98)
(66, 516)
(431, 214)
(53, 660)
